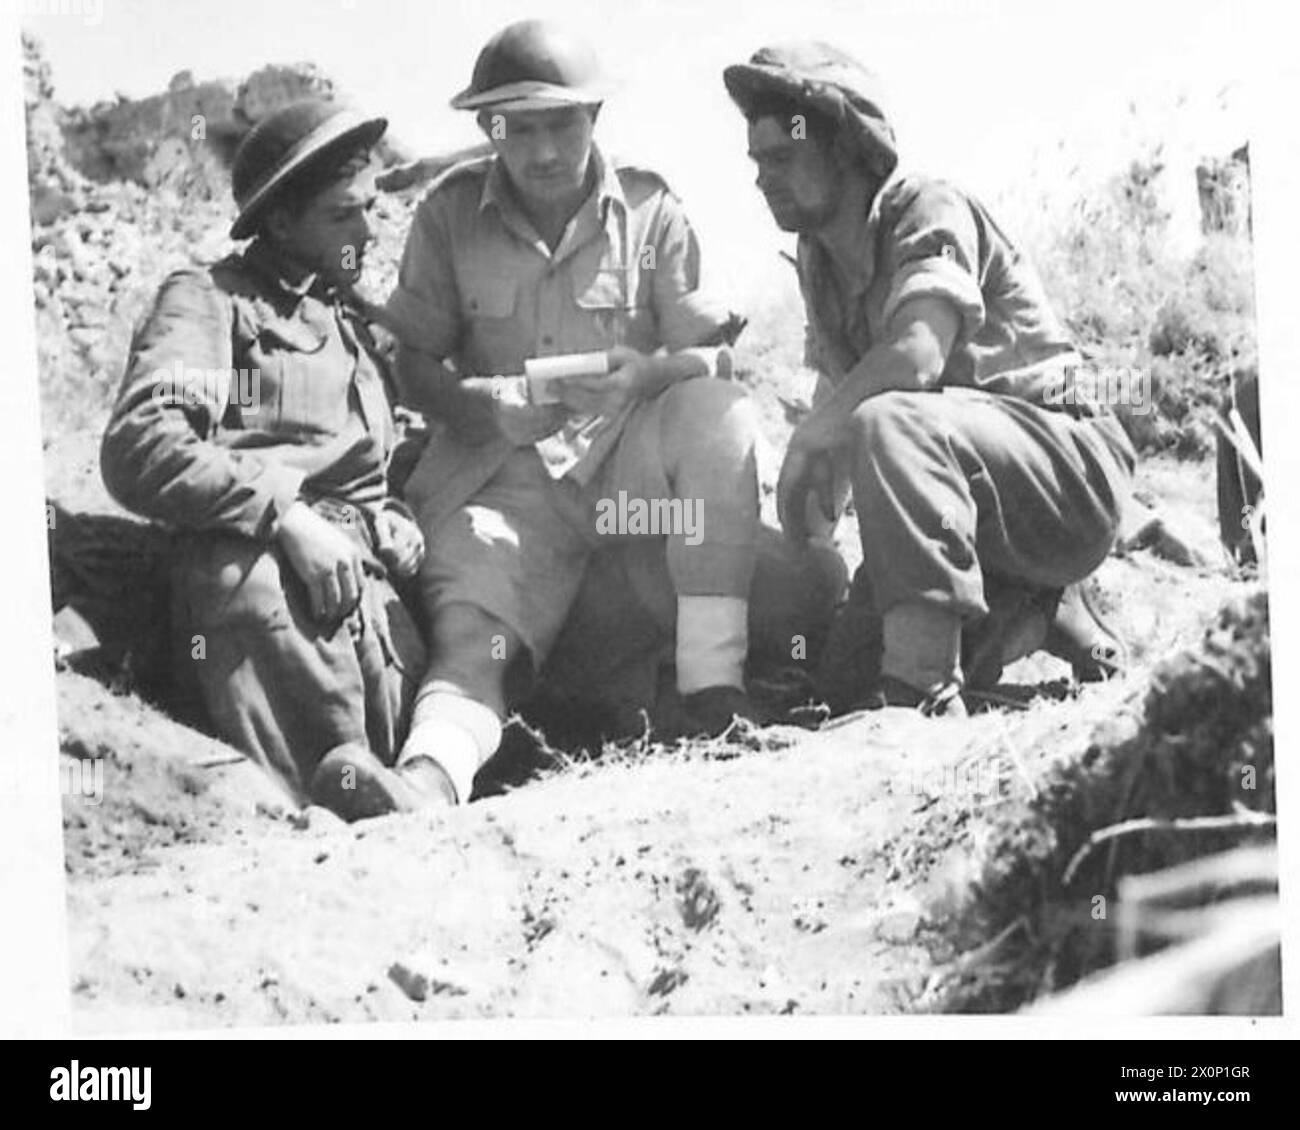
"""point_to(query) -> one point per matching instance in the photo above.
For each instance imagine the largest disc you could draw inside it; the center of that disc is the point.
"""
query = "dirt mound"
(161, 784)
(671, 884)
(850, 870)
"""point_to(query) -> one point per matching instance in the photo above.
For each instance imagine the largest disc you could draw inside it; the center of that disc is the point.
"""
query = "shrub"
(1130, 298)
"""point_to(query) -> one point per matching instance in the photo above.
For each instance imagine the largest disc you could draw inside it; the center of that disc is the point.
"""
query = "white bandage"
(457, 733)
(712, 639)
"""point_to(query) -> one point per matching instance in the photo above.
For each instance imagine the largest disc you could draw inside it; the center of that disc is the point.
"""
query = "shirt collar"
(877, 203)
(290, 278)
(864, 237)
(610, 187)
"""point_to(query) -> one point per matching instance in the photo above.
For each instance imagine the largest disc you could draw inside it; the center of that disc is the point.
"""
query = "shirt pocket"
(612, 309)
(301, 391)
(495, 337)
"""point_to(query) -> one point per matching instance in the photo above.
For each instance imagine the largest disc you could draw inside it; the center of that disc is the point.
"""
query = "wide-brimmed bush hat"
(826, 80)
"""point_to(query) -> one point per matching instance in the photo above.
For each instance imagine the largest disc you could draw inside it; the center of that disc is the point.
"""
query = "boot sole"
(369, 795)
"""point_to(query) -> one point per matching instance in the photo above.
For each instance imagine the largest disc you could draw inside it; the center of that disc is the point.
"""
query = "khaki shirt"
(924, 237)
(480, 289)
(245, 392)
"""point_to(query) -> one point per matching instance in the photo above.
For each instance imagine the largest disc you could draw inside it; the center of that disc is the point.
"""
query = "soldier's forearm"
(158, 458)
(664, 370)
(883, 368)
(910, 360)
(160, 469)
(424, 382)
(428, 386)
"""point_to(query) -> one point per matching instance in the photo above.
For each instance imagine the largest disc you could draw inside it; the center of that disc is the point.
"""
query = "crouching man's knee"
(893, 439)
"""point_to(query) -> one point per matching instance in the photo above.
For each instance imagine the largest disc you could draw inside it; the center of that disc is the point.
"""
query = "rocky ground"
(885, 864)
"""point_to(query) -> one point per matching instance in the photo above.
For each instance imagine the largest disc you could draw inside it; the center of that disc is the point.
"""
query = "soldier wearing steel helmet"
(253, 420)
(549, 247)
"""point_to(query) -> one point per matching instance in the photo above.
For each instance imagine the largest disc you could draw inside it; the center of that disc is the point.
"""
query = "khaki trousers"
(276, 683)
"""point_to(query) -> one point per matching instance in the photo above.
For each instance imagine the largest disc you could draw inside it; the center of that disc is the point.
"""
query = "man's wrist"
(287, 519)
(824, 428)
(660, 371)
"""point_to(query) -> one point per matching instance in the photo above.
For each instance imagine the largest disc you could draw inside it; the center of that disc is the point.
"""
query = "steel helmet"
(287, 142)
(533, 65)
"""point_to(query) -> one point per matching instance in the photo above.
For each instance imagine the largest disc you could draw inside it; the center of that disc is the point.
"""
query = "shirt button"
(547, 339)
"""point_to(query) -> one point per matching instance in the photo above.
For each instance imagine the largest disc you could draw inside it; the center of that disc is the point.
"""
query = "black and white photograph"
(559, 511)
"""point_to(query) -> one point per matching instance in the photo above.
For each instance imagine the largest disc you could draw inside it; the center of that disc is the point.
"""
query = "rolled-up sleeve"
(158, 457)
(424, 309)
(688, 315)
(934, 253)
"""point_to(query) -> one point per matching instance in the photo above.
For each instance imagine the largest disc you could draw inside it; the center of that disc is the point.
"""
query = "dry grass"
(1130, 299)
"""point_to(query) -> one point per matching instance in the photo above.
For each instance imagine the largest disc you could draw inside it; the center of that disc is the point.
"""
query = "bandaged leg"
(707, 439)
(454, 732)
(712, 639)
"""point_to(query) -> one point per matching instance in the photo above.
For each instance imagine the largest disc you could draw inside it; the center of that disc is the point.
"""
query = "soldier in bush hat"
(942, 396)
(550, 247)
(253, 419)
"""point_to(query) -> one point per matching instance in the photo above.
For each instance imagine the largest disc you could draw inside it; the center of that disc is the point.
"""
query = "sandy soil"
(787, 872)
